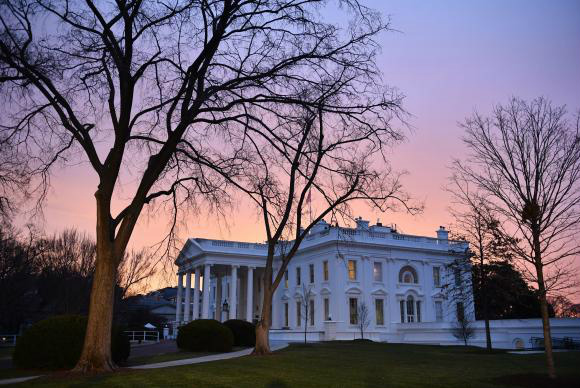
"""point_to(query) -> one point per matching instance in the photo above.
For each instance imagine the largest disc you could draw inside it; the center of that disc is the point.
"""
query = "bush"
(244, 332)
(205, 335)
(57, 342)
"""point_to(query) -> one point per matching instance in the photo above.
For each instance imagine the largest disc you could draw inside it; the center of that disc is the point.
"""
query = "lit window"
(311, 312)
(352, 270)
(325, 270)
(311, 270)
(436, 276)
(379, 312)
(378, 272)
(285, 314)
(408, 275)
(353, 310)
(439, 311)
(326, 309)
(298, 313)
(298, 280)
(286, 279)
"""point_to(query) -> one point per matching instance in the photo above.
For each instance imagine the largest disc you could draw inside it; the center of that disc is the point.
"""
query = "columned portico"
(196, 293)
(206, 291)
(250, 294)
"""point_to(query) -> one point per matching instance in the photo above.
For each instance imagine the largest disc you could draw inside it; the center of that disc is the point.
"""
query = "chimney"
(361, 224)
(442, 233)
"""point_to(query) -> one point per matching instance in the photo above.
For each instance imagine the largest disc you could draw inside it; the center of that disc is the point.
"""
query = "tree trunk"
(96, 354)
(543, 302)
(546, 325)
(263, 326)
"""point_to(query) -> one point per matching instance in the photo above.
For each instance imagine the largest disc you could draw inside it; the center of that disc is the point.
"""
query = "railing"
(557, 343)
(8, 339)
(143, 336)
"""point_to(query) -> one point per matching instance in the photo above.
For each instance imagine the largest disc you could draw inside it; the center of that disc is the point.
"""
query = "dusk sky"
(448, 58)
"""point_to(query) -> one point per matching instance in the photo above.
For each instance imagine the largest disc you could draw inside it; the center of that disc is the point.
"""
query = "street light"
(225, 306)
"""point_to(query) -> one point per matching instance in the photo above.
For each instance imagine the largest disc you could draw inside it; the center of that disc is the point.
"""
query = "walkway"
(274, 345)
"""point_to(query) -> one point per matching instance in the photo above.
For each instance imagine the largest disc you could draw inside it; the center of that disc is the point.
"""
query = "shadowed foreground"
(347, 364)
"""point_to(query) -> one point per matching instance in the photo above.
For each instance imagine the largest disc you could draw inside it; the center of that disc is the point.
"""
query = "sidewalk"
(213, 357)
(274, 345)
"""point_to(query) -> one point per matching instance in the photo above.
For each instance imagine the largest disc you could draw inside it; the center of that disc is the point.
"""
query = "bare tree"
(305, 298)
(362, 318)
(158, 92)
(311, 158)
(476, 222)
(136, 268)
(525, 158)
(463, 329)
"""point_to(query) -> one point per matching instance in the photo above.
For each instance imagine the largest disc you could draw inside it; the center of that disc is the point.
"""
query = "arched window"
(408, 275)
(410, 310)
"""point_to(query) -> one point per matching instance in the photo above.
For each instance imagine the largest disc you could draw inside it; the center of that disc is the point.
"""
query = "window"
(410, 309)
(311, 312)
(418, 311)
(402, 311)
(285, 314)
(457, 273)
(311, 270)
(352, 270)
(326, 309)
(379, 312)
(439, 311)
(437, 276)
(353, 309)
(408, 275)
(460, 311)
(298, 313)
(298, 276)
(325, 270)
(377, 271)
(286, 279)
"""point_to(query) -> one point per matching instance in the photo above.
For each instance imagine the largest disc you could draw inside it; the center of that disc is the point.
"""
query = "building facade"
(396, 284)
(397, 278)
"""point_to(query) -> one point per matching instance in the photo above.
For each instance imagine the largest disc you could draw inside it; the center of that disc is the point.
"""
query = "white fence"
(143, 336)
(8, 339)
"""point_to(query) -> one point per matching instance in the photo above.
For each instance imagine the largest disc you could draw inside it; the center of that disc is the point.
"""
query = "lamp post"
(226, 308)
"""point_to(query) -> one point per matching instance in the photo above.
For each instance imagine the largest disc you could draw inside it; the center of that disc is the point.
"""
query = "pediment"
(354, 290)
(379, 292)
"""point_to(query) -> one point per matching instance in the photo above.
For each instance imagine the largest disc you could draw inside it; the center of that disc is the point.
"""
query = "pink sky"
(448, 58)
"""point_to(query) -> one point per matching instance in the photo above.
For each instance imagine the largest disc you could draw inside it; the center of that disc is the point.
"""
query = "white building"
(399, 277)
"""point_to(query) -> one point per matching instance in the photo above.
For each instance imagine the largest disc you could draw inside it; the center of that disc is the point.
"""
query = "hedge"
(244, 332)
(205, 335)
(57, 342)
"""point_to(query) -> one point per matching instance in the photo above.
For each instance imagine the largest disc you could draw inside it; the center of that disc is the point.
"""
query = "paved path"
(214, 357)
(274, 345)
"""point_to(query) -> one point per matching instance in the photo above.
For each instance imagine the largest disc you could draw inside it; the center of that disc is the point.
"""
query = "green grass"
(340, 365)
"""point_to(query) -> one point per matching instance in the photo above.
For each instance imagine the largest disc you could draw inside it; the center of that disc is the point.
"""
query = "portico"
(225, 286)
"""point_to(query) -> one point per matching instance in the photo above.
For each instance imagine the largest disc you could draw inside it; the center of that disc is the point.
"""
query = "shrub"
(205, 335)
(57, 342)
(244, 332)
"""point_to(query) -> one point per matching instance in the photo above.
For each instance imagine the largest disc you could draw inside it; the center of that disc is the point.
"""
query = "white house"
(400, 278)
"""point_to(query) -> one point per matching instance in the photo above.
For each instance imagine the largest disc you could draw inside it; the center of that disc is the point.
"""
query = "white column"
(206, 291)
(234, 293)
(178, 302)
(250, 295)
(187, 309)
(196, 293)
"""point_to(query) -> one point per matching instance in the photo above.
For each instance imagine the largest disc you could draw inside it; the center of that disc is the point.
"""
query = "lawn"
(346, 364)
